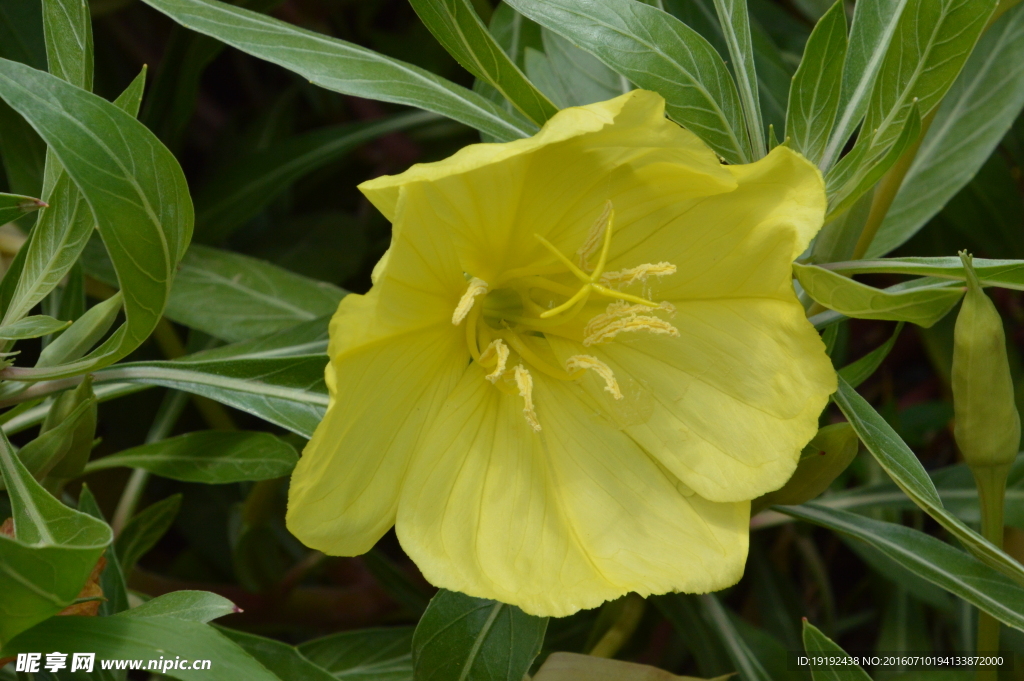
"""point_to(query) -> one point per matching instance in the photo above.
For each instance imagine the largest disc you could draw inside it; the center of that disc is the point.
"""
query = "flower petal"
(734, 398)
(558, 520)
(583, 157)
(734, 244)
(344, 490)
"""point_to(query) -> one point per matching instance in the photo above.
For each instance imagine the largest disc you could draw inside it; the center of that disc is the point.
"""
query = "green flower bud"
(987, 424)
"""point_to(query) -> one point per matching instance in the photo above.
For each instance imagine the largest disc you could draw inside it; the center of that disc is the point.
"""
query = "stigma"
(507, 325)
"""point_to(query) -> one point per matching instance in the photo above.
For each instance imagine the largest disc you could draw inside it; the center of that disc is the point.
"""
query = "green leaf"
(874, 24)
(974, 116)
(383, 654)
(657, 52)
(341, 66)
(824, 458)
(82, 334)
(461, 637)
(115, 591)
(923, 304)
(147, 639)
(816, 87)
(1001, 273)
(143, 210)
(144, 530)
(284, 660)
(748, 666)
(584, 79)
(921, 588)
(859, 371)
(50, 448)
(208, 456)
(247, 185)
(906, 471)
(32, 327)
(52, 553)
(933, 39)
(13, 206)
(191, 606)
(816, 642)
(67, 28)
(514, 33)
(684, 612)
(735, 23)
(459, 29)
(286, 391)
(955, 571)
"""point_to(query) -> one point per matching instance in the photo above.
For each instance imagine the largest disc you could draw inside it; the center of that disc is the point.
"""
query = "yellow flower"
(581, 357)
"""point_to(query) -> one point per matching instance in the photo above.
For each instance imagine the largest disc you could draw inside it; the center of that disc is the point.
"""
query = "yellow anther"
(524, 381)
(580, 362)
(477, 287)
(497, 351)
(620, 317)
(639, 273)
(593, 240)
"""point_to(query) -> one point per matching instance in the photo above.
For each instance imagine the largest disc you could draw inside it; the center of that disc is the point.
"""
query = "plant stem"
(991, 482)
(622, 629)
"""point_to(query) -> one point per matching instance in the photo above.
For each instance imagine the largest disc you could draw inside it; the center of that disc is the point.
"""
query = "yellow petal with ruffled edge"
(559, 520)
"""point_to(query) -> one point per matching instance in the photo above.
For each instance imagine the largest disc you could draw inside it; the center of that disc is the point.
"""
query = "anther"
(477, 287)
(524, 381)
(580, 362)
(639, 273)
(620, 317)
(498, 351)
(593, 240)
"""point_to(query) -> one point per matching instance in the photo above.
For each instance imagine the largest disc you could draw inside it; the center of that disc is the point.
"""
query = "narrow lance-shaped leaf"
(144, 530)
(860, 370)
(1002, 273)
(341, 66)
(13, 206)
(815, 90)
(657, 52)
(816, 642)
(459, 29)
(974, 116)
(906, 471)
(747, 664)
(923, 304)
(142, 209)
(735, 22)
(32, 327)
(874, 23)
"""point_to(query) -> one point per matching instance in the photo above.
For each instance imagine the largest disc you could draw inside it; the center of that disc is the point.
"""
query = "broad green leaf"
(341, 66)
(974, 116)
(383, 654)
(906, 471)
(459, 29)
(923, 305)
(874, 23)
(52, 553)
(1001, 273)
(32, 327)
(860, 370)
(191, 606)
(747, 665)
(584, 78)
(305, 338)
(143, 210)
(461, 637)
(658, 52)
(247, 185)
(62, 229)
(13, 206)
(933, 39)
(233, 296)
(144, 530)
(282, 659)
(815, 90)
(823, 459)
(954, 570)
(286, 391)
(540, 70)
(208, 456)
(115, 590)
(817, 643)
(735, 23)
(156, 639)
(67, 28)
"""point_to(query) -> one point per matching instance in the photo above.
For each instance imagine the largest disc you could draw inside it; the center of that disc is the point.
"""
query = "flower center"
(507, 327)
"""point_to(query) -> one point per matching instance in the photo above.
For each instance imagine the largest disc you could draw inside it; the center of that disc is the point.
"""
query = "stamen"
(499, 351)
(477, 287)
(638, 273)
(593, 239)
(524, 381)
(620, 317)
(579, 362)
